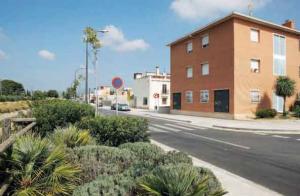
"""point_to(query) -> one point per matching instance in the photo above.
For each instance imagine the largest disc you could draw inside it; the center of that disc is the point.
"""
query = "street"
(267, 159)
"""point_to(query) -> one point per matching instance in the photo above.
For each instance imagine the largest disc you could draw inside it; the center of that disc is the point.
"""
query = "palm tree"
(40, 168)
(285, 87)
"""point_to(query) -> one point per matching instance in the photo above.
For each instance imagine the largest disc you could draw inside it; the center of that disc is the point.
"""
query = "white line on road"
(280, 136)
(164, 127)
(156, 130)
(260, 133)
(180, 127)
(298, 139)
(216, 140)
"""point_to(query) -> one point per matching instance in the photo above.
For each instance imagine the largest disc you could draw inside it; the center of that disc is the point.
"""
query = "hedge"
(50, 114)
(116, 130)
(266, 113)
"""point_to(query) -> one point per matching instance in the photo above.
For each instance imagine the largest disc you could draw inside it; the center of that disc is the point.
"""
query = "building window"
(189, 96)
(164, 100)
(164, 89)
(254, 35)
(205, 41)
(189, 47)
(145, 101)
(255, 66)
(205, 69)
(189, 72)
(255, 96)
(204, 96)
(279, 55)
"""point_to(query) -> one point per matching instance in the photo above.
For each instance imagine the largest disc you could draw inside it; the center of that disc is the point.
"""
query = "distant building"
(107, 95)
(151, 90)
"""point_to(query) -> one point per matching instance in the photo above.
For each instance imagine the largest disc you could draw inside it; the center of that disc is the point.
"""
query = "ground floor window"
(164, 100)
(204, 96)
(145, 101)
(255, 96)
(189, 96)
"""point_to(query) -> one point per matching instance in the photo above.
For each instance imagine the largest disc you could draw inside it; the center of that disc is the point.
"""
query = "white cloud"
(45, 54)
(116, 40)
(205, 9)
(3, 55)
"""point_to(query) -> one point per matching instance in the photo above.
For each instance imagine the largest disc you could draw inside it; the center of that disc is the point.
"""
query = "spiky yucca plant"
(40, 168)
(285, 87)
(177, 180)
(71, 137)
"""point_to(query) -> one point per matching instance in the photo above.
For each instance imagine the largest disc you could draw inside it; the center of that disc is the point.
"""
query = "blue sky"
(41, 40)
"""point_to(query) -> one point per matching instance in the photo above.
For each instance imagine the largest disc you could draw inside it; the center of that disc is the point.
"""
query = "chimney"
(157, 70)
(137, 75)
(290, 24)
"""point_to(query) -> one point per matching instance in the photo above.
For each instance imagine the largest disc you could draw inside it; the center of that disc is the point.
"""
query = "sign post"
(156, 97)
(117, 83)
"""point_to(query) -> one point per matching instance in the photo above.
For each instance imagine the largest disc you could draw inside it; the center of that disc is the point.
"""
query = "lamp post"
(96, 75)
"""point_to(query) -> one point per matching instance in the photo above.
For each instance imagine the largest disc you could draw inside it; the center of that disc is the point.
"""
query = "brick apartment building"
(228, 68)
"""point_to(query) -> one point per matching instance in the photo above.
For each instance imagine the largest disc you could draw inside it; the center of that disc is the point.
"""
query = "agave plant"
(39, 168)
(71, 137)
(177, 180)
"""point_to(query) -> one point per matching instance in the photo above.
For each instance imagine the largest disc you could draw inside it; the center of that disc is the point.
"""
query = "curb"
(234, 184)
(252, 130)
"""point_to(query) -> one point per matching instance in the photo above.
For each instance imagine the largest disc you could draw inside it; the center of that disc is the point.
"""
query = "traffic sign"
(117, 82)
(156, 95)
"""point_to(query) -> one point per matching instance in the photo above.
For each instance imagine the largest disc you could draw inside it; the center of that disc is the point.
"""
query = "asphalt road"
(270, 160)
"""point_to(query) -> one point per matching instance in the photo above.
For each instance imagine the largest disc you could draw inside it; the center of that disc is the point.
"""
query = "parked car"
(121, 107)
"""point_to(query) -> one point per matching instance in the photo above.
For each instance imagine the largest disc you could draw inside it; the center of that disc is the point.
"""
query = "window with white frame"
(189, 72)
(204, 96)
(205, 41)
(205, 69)
(189, 47)
(254, 35)
(189, 96)
(255, 65)
(255, 96)
(279, 55)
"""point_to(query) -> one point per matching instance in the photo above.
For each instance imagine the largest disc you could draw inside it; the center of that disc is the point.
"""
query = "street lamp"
(96, 75)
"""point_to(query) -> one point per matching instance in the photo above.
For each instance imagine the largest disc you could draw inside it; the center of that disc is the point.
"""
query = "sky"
(41, 41)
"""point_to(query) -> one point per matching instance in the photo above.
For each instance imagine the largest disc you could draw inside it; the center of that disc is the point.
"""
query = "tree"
(285, 87)
(10, 87)
(52, 93)
(38, 95)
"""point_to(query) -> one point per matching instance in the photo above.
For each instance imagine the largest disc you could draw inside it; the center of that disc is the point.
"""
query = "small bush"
(266, 113)
(180, 180)
(71, 137)
(117, 185)
(58, 113)
(116, 130)
(297, 111)
(102, 160)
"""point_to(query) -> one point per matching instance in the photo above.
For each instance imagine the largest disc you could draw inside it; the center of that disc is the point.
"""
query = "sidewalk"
(235, 185)
(288, 126)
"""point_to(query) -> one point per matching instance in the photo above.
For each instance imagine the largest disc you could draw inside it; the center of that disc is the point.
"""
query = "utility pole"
(86, 70)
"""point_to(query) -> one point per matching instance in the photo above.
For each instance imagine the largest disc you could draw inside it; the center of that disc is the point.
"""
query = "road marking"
(164, 127)
(156, 130)
(216, 140)
(180, 127)
(298, 139)
(260, 133)
(280, 136)
(193, 126)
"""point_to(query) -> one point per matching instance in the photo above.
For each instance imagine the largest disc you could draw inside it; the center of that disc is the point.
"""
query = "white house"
(151, 90)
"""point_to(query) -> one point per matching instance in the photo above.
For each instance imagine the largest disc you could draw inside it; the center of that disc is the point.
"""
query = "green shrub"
(266, 113)
(117, 185)
(58, 113)
(40, 168)
(179, 180)
(297, 111)
(116, 130)
(102, 160)
(71, 137)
